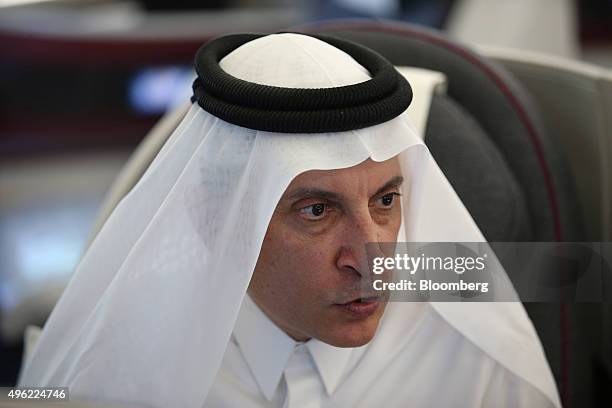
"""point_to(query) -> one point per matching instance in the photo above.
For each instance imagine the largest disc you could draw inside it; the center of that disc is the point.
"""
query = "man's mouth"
(365, 299)
(361, 307)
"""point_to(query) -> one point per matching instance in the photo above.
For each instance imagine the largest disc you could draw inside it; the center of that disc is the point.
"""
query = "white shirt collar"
(331, 362)
(267, 349)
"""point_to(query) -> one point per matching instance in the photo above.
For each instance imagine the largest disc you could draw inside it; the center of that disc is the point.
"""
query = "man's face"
(309, 271)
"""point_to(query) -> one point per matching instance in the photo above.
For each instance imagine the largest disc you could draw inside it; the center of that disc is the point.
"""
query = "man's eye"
(387, 200)
(314, 212)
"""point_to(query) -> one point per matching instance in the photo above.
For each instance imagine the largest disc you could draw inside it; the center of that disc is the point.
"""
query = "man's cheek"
(391, 231)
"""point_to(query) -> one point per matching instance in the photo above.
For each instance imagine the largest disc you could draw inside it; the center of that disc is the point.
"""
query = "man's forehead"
(368, 176)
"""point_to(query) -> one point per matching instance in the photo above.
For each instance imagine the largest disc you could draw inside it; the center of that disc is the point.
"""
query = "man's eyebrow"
(393, 183)
(306, 192)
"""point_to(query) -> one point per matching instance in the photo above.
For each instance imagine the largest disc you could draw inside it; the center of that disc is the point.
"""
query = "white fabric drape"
(149, 310)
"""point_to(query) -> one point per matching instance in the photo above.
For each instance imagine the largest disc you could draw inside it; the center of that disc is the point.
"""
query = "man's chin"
(353, 342)
(351, 338)
(351, 334)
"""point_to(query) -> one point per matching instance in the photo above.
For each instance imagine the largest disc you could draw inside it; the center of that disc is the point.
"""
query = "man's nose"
(360, 244)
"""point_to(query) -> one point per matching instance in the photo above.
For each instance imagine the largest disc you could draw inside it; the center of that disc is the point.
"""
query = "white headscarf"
(150, 308)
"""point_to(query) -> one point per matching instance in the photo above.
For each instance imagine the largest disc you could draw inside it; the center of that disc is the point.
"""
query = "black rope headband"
(299, 110)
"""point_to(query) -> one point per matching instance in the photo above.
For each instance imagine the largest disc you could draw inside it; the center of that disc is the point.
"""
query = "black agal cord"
(299, 110)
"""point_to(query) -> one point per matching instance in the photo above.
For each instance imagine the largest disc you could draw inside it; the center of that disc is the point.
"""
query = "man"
(318, 232)
(297, 154)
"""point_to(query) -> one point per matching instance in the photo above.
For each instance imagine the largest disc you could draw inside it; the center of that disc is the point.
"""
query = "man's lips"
(363, 299)
(361, 307)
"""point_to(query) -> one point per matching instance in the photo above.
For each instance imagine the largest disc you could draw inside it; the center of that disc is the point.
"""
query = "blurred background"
(83, 81)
